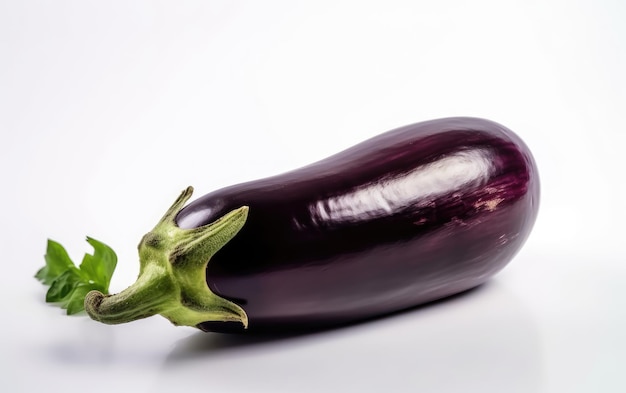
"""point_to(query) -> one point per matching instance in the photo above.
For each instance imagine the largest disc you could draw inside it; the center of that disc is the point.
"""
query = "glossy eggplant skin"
(408, 217)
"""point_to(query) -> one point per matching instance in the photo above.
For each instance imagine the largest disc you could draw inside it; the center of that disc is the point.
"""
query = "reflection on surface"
(450, 173)
(482, 340)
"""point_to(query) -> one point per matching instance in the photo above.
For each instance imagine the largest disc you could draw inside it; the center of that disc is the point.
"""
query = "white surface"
(109, 109)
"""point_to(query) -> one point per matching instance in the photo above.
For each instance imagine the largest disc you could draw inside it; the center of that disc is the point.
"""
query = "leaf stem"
(172, 279)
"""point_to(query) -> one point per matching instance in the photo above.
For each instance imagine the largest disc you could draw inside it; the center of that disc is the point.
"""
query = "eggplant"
(408, 217)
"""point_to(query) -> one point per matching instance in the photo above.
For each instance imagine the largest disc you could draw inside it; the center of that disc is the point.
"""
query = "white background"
(109, 109)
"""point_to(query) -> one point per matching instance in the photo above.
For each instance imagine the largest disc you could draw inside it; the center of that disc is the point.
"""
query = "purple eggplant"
(411, 216)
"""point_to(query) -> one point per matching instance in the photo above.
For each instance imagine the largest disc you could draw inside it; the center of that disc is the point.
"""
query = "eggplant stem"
(172, 274)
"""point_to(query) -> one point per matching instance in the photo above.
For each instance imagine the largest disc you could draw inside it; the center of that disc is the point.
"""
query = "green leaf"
(76, 303)
(62, 287)
(100, 266)
(57, 262)
(70, 284)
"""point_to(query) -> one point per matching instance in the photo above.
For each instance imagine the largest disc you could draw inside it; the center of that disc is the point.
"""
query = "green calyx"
(172, 274)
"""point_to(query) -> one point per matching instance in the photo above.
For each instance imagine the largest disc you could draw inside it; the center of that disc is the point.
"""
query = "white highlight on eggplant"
(420, 186)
